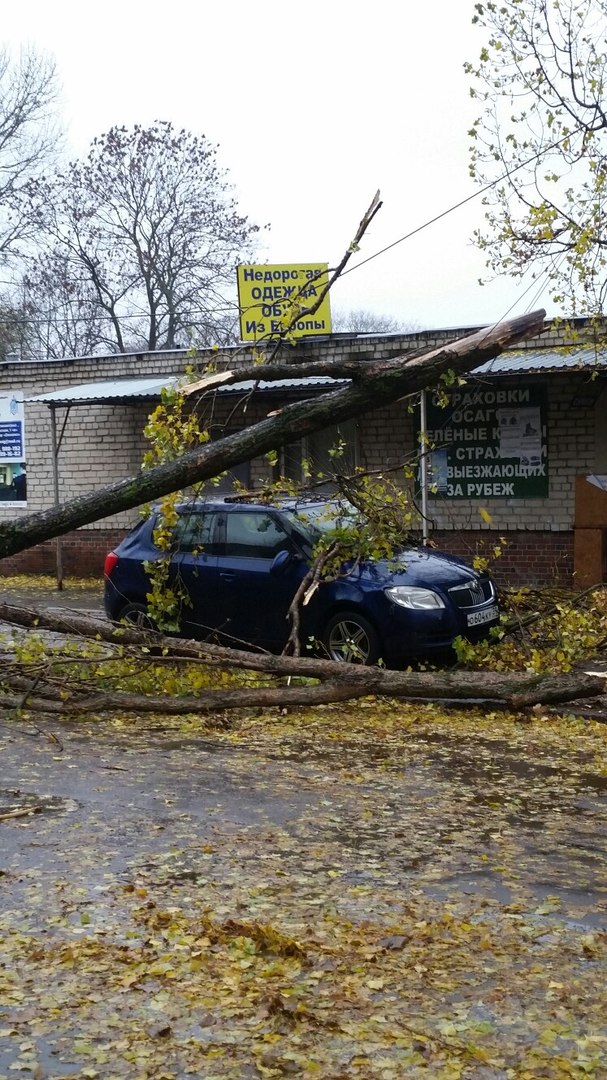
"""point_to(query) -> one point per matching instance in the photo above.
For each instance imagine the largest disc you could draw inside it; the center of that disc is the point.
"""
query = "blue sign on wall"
(11, 440)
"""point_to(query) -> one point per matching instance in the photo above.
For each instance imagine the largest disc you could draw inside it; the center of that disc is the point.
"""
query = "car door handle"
(227, 575)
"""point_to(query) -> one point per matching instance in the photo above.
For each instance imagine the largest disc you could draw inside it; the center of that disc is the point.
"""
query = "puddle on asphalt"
(17, 803)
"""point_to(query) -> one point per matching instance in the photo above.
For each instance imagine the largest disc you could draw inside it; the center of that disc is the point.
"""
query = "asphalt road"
(88, 598)
(300, 824)
(103, 798)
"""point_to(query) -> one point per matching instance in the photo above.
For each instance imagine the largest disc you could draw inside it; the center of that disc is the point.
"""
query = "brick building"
(489, 480)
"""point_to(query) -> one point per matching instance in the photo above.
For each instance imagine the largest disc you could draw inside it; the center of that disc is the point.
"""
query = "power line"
(42, 321)
(462, 202)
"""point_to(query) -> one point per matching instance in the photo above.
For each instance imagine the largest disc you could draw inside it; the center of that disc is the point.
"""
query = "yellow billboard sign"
(270, 296)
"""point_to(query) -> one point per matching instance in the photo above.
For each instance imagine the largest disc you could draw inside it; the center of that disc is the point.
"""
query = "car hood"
(422, 567)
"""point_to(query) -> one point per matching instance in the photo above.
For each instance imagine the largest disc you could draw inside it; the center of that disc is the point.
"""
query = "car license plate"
(475, 618)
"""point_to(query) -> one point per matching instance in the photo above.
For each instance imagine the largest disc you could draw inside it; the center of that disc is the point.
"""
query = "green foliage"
(485, 559)
(172, 429)
(540, 139)
(448, 380)
(92, 665)
(541, 633)
(388, 514)
(385, 520)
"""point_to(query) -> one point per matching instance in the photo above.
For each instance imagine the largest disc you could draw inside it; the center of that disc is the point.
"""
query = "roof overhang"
(555, 361)
(112, 391)
(130, 391)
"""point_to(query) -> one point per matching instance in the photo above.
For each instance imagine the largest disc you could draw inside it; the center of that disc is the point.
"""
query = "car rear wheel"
(350, 637)
(137, 615)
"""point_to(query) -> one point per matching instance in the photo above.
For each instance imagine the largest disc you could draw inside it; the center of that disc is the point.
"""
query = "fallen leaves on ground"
(379, 891)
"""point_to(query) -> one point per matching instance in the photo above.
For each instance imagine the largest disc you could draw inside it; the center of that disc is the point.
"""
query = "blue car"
(241, 563)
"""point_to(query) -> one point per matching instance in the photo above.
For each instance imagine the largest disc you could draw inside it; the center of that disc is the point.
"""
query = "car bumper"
(408, 634)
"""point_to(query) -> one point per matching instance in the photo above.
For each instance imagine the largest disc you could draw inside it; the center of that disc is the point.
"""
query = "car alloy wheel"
(351, 638)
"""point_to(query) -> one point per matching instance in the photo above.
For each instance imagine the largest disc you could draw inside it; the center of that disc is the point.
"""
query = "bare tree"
(14, 330)
(148, 235)
(28, 138)
(61, 313)
(363, 321)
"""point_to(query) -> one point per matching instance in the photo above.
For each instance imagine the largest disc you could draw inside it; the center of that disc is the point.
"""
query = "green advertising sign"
(489, 443)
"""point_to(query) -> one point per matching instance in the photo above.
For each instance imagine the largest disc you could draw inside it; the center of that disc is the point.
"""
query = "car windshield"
(317, 519)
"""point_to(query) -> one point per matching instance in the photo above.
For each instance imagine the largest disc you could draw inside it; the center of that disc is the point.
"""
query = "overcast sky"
(315, 107)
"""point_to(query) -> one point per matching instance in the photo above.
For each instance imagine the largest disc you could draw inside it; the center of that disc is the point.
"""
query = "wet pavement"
(301, 830)
(454, 803)
(84, 596)
(459, 817)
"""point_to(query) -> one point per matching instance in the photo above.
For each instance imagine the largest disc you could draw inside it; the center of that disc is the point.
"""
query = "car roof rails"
(270, 498)
(246, 496)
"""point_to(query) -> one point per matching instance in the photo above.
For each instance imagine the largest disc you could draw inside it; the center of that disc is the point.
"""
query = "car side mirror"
(281, 561)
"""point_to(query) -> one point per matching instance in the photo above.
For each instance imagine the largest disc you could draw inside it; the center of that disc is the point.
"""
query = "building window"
(333, 451)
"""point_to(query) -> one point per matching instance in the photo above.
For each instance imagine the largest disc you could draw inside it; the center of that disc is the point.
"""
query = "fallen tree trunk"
(338, 682)
(75, 703)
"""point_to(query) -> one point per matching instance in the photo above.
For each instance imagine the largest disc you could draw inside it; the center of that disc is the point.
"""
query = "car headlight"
(411, 597)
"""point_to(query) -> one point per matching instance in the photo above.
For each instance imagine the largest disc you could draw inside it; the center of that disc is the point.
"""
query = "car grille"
(473, 593)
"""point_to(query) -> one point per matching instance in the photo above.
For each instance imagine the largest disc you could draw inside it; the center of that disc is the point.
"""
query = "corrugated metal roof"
(522, 362)
(538, 361)
(319, 382)
(118, 390)
(124, 390)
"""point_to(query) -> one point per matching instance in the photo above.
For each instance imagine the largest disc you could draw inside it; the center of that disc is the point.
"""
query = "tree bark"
(376, 385)
(338, 681)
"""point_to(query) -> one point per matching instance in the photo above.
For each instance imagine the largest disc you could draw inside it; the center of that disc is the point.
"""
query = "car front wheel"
(350, 637)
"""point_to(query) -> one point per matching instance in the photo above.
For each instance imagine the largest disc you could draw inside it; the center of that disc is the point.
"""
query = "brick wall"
(82, 555)
(539, 557)
(527, 558)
